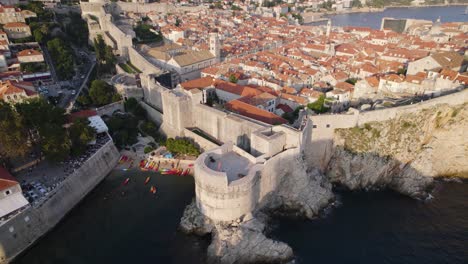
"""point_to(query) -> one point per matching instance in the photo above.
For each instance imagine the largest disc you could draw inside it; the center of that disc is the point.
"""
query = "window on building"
(7, 192)
(328, 125)
(314, 126)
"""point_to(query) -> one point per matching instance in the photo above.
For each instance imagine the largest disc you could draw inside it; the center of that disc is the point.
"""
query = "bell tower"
(215, 46)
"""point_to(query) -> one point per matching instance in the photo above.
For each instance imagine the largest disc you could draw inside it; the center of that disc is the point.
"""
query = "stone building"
(30, 55)
(11, 196)
(15, 92)
(443, 60)
(17, 30)
(11, 14)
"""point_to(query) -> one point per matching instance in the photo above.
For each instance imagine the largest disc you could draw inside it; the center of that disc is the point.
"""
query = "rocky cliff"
(243, 240)
(404, 153)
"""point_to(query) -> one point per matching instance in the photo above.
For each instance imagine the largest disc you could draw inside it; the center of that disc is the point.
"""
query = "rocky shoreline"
(404, 154)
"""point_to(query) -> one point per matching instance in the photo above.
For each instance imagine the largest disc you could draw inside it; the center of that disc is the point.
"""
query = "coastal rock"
(404, 153)
(301, 192)
(246, 243)
(194, 222)
(365, 171)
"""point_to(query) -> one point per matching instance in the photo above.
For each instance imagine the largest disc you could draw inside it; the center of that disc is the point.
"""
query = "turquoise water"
(447, 14)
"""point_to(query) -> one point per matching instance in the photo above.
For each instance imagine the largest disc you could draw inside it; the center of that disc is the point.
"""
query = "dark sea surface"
(368, 227)
(384, 227)
(373, 20)
(138, 227)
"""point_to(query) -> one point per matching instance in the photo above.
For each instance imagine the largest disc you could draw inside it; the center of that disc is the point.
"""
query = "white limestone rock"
(404, 153)
(366, 171)
(300, 192)
(194, 222)
(246, 244)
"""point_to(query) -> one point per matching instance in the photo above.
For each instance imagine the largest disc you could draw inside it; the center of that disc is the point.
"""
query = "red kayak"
(147, 180)
(126, 181)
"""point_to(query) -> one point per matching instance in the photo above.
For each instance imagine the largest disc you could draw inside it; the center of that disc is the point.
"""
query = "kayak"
(153, 190)
(126, 181)
(147, 179)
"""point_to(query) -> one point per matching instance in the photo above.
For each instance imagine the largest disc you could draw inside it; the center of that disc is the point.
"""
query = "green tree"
(101, 93)
(356, 4)
(80, 135)
(233, 78)
(402, 71)
(45, 124)
(77, 29)
(62, 56)
(130, 104)
(55, 143)
(104, 55)
(352, 81)
(84, 100)
(319, 105)
(145, 35)
(182, 146)
(13, 134)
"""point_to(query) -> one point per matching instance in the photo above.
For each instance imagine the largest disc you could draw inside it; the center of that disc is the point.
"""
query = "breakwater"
(23, 230)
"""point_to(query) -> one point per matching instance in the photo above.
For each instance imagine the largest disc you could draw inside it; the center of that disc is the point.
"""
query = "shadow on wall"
(243, 142)
(372, 171)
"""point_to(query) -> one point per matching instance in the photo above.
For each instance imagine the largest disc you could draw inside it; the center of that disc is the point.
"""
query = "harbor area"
(39, 182)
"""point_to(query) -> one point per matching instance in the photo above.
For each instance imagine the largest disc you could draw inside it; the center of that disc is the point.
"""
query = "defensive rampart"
(320, 149)
(23, 230)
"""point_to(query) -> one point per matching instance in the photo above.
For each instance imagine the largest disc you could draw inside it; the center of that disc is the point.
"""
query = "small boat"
(153, 190)
(123, 159)
(186, 172)
(147, 180)
(126, 181)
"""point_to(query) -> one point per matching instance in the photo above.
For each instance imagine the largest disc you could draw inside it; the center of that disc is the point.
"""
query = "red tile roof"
(28, 52)
(254, 112)
(15, 25)
(199, 83)
(6, 179)
(286, 108)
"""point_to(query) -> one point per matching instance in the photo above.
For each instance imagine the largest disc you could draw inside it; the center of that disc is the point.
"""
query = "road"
(49, 62)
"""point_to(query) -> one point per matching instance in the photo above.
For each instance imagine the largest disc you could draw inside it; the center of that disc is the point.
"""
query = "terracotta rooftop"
(198, 83)
(28, 52)
(6, 179)
(254, 112)
(15, 25)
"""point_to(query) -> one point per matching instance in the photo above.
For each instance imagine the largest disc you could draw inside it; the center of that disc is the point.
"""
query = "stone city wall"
(219, 199)
(202, 142)
(159, 7)
(320, 149)
(275, 169)
(110, 108)
(22, 231)
(152, 91)
(141, 62)
(225, 126)
(153, 114)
